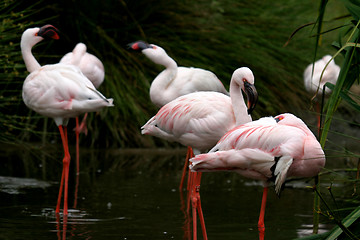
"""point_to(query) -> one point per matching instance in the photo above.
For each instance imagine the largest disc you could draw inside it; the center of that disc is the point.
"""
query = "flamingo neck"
(160, 85)
(26, 45)
(238, 104)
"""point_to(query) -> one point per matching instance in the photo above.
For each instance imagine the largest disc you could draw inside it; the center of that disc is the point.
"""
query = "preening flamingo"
(59, 91)
(200, 119)
(176, 81)
(314, 82)
(94, 70)
(269, 149)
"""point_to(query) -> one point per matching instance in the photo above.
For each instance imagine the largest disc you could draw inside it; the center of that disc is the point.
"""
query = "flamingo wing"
(61, 90)
(196, 119)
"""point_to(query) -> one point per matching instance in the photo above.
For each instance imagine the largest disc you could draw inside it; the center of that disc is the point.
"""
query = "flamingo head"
(248, 87)
(290, 120)
(152, 51)
(139, 46)
(48, 32)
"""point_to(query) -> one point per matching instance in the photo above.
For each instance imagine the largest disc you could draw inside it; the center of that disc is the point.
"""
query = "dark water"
(133, 194)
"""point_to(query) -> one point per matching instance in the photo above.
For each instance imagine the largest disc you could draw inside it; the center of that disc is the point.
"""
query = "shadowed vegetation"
(276, 39)
(217, 35)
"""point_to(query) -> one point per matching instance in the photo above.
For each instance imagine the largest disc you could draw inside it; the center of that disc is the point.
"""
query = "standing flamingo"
(200, 119)
(176, 81)
(313, 72)
(94, 70)
(269, 149)
(59, 91)
(315, 77)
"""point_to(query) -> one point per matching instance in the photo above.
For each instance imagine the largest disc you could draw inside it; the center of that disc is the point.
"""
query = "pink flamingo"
(93, 69)
(59, 91)
(200, 119)
(176, 81)
(315, 77)
(269, 149)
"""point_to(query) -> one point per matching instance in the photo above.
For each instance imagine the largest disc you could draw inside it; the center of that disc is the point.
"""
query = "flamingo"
(313, 73)
(200, 119)
(176, 81)
(58, 91)
(269, 149)
(93, 69)
(315, 77)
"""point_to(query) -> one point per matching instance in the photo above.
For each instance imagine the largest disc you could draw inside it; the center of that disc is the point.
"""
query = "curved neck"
(30, 61)
(162, 81)
(28, 40)
(238, 104)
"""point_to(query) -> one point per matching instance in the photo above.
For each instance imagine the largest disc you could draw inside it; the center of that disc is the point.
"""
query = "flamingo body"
(197, 119)
(176, 81)
(61, 91)
(266, 150)
(312, 79)
(89, 64)
(200, 119)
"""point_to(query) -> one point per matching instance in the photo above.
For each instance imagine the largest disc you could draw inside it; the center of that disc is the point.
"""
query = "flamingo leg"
(197, 202)
(77, 132)
(60, 192)
(185, 169)
(65, 171)
(261, 224)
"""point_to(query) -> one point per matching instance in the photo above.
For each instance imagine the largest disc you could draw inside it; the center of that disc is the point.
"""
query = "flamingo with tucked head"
(176, 81)
(94, 70)
(198, 120)
(269, 149)
(59, 91)
(315, 77)
(313, 83)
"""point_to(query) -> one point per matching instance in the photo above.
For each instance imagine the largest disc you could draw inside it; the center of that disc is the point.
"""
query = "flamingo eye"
(244, 80)
(279, 118)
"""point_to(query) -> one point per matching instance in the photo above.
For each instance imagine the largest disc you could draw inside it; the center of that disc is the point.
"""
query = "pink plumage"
(200, 119)
(266, 149)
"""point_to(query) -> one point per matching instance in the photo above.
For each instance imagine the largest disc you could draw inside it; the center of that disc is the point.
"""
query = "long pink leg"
(78, 129)
(185, 169)
(196, 202)
(261, 224)
(77, 132)
(65, 172)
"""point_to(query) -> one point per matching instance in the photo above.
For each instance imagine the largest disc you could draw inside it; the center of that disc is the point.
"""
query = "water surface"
(133, 194)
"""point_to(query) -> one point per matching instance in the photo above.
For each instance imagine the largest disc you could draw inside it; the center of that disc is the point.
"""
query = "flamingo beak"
(49, 31)
(139, 46)
(252, 96)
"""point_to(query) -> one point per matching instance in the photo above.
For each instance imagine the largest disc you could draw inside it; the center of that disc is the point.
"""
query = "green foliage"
(217, 35)
(349, 73)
